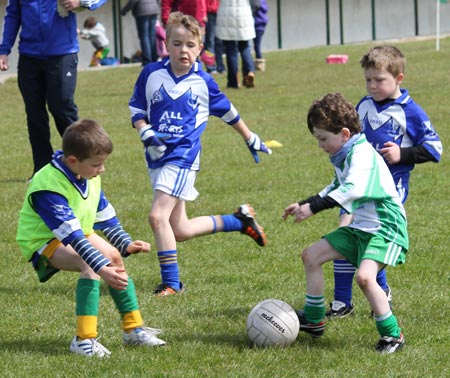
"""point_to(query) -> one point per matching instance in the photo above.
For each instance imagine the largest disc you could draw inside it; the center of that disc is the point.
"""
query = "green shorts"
(356, 245)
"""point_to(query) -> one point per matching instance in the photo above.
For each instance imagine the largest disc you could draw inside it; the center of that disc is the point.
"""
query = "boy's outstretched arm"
(253, 141)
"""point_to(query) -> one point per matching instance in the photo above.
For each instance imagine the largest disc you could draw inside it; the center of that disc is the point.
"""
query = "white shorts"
(176, 181)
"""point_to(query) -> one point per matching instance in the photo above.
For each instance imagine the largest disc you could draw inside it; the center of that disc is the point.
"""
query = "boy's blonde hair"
(190, 23)
(85, 139)
(332, 113)
(387, 58)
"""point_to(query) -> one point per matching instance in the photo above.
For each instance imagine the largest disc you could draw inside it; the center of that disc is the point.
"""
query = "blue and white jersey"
(403, 122)
(179, 107)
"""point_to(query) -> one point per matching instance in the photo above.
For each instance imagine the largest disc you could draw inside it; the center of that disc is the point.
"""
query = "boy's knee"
(116, 258)
(153, 220)
(307, 255)
(362, 279)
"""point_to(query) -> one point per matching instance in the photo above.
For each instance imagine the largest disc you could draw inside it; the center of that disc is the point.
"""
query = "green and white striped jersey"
(364, 187)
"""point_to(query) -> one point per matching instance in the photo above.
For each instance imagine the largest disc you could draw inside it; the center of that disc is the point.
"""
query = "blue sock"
(343, 281)
(382, 280)
(231, 223)
(169, 268)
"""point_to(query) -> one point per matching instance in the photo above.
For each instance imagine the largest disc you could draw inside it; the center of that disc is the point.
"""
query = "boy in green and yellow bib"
(64, 206)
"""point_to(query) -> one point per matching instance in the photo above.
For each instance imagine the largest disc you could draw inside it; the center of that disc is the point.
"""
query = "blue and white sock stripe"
(89, 254)
(119, 238)
(343, 266)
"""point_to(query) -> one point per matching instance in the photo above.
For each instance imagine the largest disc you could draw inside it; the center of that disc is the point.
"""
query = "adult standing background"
(145, 13)
(47, 67)
(235, 27)
(195, 8)
(260, 11)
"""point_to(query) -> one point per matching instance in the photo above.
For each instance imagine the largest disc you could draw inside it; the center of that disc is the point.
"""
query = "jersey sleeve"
(56, 213)
(106, 214)
(422, 132)
(92, 4)
(11, 26)
(138, 103)
(220, 106)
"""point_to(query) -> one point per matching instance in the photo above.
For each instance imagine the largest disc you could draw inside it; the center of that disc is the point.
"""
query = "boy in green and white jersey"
(377, 236)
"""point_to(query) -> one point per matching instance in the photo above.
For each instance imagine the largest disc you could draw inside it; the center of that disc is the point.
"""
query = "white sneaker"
(89, 347)
(143, 336)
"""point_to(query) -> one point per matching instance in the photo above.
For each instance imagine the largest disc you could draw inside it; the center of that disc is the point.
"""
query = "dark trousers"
(146, 28)
(47, 83)
(232, 50)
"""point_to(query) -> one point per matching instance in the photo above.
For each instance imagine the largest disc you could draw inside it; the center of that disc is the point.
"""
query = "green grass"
(227, 274)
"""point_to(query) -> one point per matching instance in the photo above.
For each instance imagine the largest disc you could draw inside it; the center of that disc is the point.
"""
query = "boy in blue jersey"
(63, 206)
(401, 132)
(170, 107)
(377, 235)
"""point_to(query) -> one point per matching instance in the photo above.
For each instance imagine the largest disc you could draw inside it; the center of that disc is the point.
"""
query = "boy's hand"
(300, 213)
(391, 152)
(3, 62)
(115, 277)
(154, 146)
(138, 246)
(255, 144)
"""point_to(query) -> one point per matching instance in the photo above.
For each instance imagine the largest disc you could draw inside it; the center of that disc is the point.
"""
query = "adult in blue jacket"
(47, 68)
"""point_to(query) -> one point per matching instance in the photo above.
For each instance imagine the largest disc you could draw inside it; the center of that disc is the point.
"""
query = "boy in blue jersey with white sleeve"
(170, 107)
(63, 206)
(377, 235)
(401, 132)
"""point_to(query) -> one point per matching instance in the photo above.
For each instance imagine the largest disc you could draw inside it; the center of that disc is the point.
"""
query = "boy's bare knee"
(362, 280)
(307, 255)
(116, 258)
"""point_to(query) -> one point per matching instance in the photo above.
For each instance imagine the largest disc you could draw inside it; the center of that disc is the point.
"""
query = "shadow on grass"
(43, 345)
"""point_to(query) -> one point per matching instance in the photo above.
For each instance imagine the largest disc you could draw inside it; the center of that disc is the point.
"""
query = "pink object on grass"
(337, 59)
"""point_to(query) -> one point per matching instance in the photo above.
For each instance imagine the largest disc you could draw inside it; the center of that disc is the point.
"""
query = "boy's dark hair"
(332, 113)
(85, 139)
(387, 58)
(186, 20)
(90, 22)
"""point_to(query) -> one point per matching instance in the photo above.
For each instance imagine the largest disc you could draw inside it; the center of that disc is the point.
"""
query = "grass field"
(227, 274)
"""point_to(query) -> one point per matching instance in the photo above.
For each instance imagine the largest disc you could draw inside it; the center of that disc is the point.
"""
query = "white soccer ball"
(272, 323)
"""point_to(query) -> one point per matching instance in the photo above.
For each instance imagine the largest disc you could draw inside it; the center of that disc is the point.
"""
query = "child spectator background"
(161, 49)
(401, 131)
(63, 206)
(377, 235)
(170, 106)
(260, 11)
(95, 32)
(213, 45)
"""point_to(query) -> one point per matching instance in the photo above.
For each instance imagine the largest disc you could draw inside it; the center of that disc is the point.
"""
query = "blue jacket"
(43, 32)
(260, 10)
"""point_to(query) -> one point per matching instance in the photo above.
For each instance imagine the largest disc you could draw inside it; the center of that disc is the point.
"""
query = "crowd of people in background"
(229, 27)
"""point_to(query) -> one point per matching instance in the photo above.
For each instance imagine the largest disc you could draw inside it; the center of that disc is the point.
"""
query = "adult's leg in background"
(32, 85)
(61, 82)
